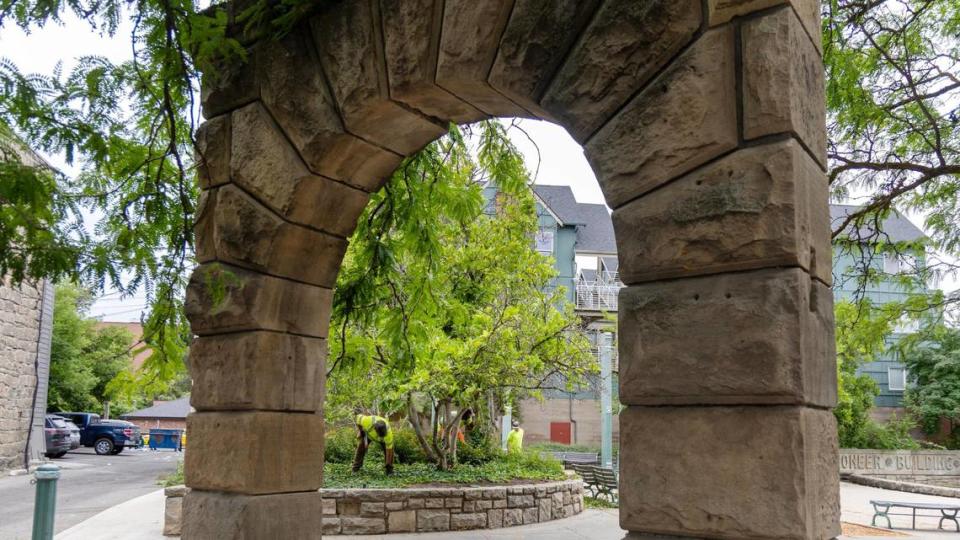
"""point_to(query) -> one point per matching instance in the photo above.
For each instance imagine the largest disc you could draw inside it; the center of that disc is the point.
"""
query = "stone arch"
(704, 121)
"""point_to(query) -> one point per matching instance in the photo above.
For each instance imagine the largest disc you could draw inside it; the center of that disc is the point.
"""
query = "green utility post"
(606, 399)
(45, 503)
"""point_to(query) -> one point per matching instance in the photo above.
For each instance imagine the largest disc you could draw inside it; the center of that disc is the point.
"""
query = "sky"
(550, 153)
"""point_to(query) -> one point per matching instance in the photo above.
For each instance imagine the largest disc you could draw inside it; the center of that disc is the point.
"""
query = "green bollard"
(45, 503)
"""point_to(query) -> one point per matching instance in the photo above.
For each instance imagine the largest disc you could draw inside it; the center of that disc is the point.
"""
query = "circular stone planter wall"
(379, 511)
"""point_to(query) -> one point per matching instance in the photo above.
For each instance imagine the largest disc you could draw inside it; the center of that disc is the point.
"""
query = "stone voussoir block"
(245, 452)
(775, 460)
(349, 46)
(224, 516)
(625, 45)
(258, 371)
(534, 44)
(722, 11)
(293, 89)
(783, 82)
(213, 152)
(684, 118)
(411, 36)
(235, 228)
(222, 298)
(758, 207)
(265, 165)
(760, 337)
(467, 51)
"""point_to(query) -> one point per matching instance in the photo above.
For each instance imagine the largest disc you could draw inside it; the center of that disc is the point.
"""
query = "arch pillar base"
(214, 515)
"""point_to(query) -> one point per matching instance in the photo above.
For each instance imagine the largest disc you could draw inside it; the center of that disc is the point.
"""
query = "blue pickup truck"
(105, 436)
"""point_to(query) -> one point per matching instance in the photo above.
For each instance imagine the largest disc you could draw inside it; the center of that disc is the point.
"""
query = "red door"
(560, 432)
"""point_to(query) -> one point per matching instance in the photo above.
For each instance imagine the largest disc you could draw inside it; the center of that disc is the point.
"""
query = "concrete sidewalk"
(142, 519)
(137, 519)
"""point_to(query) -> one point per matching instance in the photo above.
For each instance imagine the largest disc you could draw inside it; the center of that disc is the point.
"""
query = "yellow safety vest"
(366, 423)
(515, 441)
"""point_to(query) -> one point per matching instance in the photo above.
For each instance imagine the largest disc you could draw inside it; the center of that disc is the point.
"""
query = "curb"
(909, 487)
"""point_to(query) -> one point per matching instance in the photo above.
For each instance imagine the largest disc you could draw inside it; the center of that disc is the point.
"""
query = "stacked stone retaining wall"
(379, 511)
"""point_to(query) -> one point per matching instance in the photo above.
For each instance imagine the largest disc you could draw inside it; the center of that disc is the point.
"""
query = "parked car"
(105, 436)
(74, 432)
(57, 435)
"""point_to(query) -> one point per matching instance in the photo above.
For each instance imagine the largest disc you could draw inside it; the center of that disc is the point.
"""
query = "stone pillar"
(727, 361)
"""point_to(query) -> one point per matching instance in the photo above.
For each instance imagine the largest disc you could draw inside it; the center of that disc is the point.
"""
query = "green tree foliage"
(84, 359)
(443, 303)
(933, 363)
(861, 333)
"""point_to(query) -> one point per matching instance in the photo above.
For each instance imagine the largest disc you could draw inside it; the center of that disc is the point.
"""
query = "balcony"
(600, 294)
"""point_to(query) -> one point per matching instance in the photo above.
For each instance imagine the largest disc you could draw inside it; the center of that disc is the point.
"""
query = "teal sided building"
(850, 262)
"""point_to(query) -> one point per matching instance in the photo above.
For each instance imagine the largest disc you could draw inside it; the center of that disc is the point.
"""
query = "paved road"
(88, 485)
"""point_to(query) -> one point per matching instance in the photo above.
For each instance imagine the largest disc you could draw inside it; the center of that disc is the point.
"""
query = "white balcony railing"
(599, 295)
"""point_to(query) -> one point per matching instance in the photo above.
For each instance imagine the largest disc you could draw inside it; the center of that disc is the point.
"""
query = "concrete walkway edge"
(137, 519)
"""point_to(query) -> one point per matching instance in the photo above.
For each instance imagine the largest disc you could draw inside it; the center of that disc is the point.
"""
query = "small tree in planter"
(442, 298)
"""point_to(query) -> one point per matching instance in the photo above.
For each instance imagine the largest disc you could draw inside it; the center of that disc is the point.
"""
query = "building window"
(897, 379)
(897, 264)
(544, 241)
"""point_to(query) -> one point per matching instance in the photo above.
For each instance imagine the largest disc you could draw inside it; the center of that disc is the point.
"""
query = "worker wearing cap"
(515, 439)
(376, 429)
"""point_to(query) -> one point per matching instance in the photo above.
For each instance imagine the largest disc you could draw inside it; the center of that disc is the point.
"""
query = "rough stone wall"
(379, 511)
(20, 319)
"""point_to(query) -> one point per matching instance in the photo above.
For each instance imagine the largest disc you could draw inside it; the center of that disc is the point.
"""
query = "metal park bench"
(948, 512)
(579, 458)
(598, 481)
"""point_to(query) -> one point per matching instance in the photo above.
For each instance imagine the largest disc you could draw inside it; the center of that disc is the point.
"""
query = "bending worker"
(515, 439)
(375, 429)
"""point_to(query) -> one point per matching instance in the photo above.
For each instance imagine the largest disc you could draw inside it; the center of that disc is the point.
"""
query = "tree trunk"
(414, 418)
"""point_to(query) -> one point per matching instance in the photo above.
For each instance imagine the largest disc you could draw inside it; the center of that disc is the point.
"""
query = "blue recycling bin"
(166, 438)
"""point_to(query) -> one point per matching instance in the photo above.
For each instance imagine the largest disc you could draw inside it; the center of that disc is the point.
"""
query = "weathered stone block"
(350, 50)
(223, 516)
(775, 461)
(371, 509)
(433, 503)
(172, 515)
(467, 51)
(363, 525)
(234, 228)
(349, 507)
(233, 85)
(329, 507)
(751, 337)
(293, 89)
(535, 42)
(512, 517)
(684, 118)
(758, 207)
(544, 505)
(249, 452)
(331, 525)
(433, 520)
(213, 151)
(494, 519)
(623, 47)
(520, 501)
(402, 521)
(223, 298)
(783, 86)
(721, 11)
(395, 505)
(411, 36)
(531, 515)
(454, 502)
(462, 522)
(264, 164)
(258, 370)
